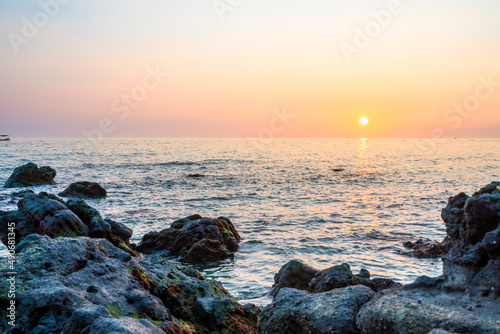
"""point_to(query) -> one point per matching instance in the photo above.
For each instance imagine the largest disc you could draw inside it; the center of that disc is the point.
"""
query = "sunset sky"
(231, 68)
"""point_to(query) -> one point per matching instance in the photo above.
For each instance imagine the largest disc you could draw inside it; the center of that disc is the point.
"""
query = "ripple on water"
(284, 198)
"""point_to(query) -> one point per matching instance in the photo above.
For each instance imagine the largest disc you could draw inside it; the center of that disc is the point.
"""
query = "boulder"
(84, 285)
(30, 175)
(472, 260)
(117, 233)
(195, 239)
(296, 311)
(465, 299)
(46, 214)
(425, 248)
(42, 214)
(419, 311)
(84, 190)
(295, 274)
(337, 277)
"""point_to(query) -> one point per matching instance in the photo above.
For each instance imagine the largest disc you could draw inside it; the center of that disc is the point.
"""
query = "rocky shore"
(78, 272)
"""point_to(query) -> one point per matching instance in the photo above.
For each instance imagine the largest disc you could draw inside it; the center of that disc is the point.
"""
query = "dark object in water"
(5, 137)
(338, 169)
(84, 190)
(425, 248)
(196, 175)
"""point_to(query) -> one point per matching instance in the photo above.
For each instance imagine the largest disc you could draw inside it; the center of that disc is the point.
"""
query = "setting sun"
(363, 121)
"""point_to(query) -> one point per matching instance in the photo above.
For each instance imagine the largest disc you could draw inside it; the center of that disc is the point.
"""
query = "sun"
(363, 121)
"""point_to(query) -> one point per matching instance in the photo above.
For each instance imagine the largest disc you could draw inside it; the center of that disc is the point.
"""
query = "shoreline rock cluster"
(79, 273)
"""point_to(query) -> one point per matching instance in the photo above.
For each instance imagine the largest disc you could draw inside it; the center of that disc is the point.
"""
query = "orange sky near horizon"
(227, 76)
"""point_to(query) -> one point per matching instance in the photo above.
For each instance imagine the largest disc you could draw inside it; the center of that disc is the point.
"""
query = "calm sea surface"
(286, 197)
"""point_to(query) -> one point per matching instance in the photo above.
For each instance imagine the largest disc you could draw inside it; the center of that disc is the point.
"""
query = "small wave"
(175, 163)
(373, 234)
(216, 198)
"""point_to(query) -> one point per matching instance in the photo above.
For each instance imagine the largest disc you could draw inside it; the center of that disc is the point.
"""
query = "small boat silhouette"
(5, 137)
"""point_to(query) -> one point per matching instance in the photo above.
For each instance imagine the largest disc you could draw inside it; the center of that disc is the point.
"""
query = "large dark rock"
(295, 274)
(117, 233)
(84, 285)
(49, 215)
(472, 261)
(42, 214)
(195, 239)
(295, 311)
(30, 175)
(465, 299)
(418, 311)
(84, 190)
(337, 277)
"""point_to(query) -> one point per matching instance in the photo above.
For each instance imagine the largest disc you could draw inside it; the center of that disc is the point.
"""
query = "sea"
(323, 201)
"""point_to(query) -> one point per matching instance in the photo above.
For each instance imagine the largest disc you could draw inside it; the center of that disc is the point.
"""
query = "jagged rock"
(117, 233)
(84, 285)
(472, 260)
(425, 248)
(337, 277)
(84, 190)
(295, 311)
(30, 175)
(465, 298)
(195, 239)
(418, 311)
(42, 214)
(22, 193)
(49, 215)
(295, 274)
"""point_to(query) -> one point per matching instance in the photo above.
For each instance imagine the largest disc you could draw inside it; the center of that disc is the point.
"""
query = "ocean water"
(324, 201)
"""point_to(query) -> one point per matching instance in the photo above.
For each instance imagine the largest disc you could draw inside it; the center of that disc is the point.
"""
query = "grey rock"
(118, 233)
(295, 274)
(465, 298)
(419, 311)
(30, 175)
(46, 214)
(296, 311)
(195, 239)
(336, 277)
(84, 285)
(122, 326)
(84, 190)
(425, 248)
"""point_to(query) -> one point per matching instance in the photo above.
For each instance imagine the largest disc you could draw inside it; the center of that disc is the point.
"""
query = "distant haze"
(413, 68)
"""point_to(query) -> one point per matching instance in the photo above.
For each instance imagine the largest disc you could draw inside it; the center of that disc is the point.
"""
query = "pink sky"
(229, 71)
